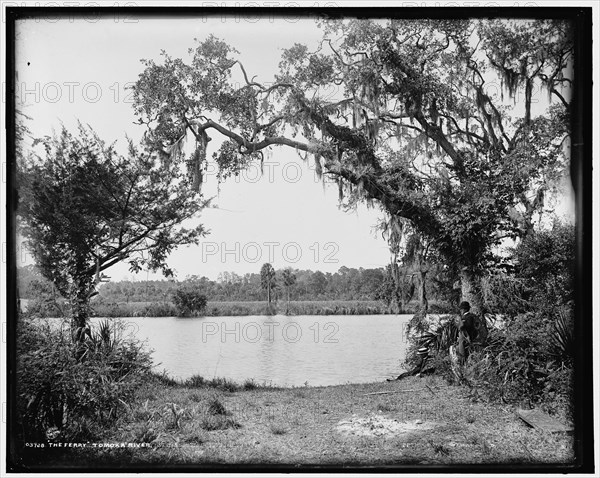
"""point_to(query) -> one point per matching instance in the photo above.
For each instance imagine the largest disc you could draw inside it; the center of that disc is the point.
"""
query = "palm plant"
(562, 334)
(441, 337)
(267, 279)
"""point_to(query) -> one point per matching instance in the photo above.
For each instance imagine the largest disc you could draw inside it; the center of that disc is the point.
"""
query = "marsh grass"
(221, 309)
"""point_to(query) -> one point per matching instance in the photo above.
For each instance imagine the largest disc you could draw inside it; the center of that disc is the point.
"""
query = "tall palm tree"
(267, 279)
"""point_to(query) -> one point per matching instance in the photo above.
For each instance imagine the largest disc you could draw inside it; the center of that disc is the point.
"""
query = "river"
(278, 350)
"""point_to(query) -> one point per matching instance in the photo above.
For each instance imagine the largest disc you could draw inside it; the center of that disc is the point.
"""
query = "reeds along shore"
(218, 309)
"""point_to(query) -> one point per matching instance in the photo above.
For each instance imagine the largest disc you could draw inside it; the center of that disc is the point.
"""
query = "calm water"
(285, 351)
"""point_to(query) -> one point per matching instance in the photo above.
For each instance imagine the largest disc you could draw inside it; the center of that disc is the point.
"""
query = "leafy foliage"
(547, 259)
(189, 301)
(415, 124)
(346, 284)
(42, 297)
(539, 274)
(289, 280)
(65, 396)
(529, 358)
(522, 362)
(84, 208)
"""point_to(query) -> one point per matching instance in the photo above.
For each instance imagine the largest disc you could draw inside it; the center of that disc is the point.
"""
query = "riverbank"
(221, 309)
(413, 422)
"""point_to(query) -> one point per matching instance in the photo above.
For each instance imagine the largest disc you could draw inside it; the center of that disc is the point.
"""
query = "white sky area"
(74, 70)
(78, 69)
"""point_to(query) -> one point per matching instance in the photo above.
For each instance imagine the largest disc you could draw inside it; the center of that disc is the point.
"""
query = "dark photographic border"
(581, 177)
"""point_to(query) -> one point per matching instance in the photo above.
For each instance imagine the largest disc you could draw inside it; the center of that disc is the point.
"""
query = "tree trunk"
(472, 292)
(470, 285)
(80, 313)
(423, 302)
(396, 302)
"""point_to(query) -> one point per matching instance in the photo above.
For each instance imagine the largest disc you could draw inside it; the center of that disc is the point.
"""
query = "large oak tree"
(440, 122)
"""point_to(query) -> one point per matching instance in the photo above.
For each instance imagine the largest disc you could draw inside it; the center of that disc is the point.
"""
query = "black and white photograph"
(299, 237)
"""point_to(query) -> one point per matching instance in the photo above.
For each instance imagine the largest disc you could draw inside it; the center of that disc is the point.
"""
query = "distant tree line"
(345, 284)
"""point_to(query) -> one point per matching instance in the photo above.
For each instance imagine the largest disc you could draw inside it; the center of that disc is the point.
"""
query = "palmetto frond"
(441, 337)
(562, 334)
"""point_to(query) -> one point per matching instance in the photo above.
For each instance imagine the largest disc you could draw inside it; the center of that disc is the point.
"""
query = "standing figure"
(468, 330)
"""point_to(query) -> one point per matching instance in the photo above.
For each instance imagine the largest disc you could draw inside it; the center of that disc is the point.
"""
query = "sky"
(71, 70)
(79, 69)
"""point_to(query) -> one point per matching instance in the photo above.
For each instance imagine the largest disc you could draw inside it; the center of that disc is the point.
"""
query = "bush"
(68, 390)
(528, 360)
(189, 301)
(540, 274)
(195, 381)
(524, 362)
(546, 259)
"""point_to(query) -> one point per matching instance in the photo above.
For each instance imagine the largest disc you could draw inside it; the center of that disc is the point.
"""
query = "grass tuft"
(439, 448)
(195, 397)
(215, 407)
(223, 384)
(195, 381)
(144, 433)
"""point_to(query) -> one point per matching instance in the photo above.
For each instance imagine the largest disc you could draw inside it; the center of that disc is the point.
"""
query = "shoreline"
(108, 309)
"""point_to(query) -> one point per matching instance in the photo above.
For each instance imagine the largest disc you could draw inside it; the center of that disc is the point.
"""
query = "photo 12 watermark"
(71, 11)
(269, 251)
(270, 331)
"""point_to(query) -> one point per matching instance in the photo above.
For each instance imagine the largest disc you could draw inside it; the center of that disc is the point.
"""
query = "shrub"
(67, 390)
(528, 360)
(223, 384)
(189, 301)
(540, 274)
(546, 259)
(523, 362)
(195, 381)
(215, 407)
